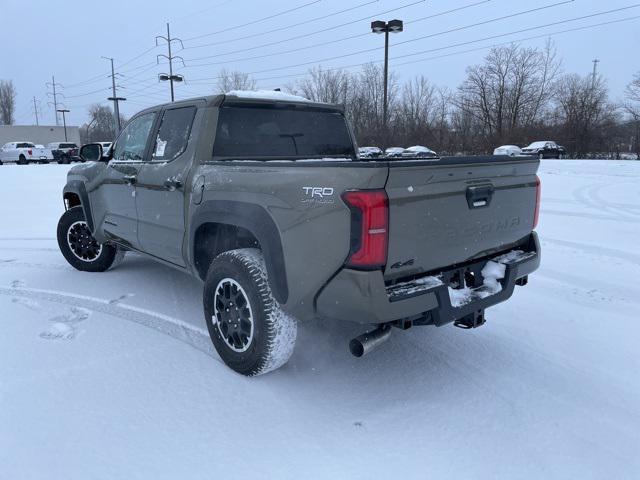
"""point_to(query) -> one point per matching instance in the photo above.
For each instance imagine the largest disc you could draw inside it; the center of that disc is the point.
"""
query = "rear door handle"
(172, 184)
(130, 179)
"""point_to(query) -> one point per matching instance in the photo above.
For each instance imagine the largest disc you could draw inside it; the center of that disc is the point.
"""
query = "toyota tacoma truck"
(263, 197)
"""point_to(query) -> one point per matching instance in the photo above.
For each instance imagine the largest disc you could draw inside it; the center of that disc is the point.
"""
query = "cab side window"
(173, 134)
(132, 141)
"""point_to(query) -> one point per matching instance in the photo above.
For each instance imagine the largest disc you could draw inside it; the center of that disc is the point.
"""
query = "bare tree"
(365, 106)
(632, 106)
(328, 86)
(509, 91)
(101, 126)
(7, 102)
(234, 80)
(584, 112)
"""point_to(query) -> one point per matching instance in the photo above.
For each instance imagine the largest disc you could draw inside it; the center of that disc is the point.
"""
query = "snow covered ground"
(111, 376)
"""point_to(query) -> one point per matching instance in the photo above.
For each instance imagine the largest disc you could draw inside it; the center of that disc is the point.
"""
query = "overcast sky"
(67, 39)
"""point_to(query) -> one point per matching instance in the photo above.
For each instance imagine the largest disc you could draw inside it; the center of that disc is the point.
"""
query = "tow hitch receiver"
(473, 320)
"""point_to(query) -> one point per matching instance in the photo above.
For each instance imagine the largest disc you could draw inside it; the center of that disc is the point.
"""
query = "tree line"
(516, 95)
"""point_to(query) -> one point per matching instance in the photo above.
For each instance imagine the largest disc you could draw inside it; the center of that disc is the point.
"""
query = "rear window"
(68, 145)
(277, 132)
(25, 145)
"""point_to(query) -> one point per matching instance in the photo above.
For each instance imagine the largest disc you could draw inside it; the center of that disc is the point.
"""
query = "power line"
(367, 50)
(309, 34)
(330, 42)
(459, 44)
(253, 22)
(367, 34)
(293, 25)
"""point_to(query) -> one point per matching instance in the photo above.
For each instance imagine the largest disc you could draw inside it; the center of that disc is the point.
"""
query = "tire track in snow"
(596, 249)
(173, 327)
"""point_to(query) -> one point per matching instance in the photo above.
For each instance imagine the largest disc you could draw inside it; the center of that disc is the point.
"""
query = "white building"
(40, 135)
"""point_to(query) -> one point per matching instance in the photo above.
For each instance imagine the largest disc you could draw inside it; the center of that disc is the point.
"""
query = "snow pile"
(267, 95)
(492, 273)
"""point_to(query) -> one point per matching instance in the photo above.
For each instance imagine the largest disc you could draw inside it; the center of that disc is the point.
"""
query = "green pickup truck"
(262, 196)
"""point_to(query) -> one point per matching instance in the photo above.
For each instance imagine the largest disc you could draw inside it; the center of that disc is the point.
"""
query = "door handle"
(172, 184)
(479, 196)
(130, 179)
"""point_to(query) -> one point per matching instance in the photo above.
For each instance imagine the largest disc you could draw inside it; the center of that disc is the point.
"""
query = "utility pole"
(35, 109)
(171, 77)
(595, 70)
(64, 121)
(115, 98)
(55, 95)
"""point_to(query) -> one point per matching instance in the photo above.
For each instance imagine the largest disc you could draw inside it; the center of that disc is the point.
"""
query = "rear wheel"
(248, 328)
(22, 160)
(79, 247)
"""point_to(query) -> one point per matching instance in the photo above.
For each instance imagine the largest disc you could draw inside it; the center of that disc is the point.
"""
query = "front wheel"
(22, 160)
(79, 247)
(249, 330)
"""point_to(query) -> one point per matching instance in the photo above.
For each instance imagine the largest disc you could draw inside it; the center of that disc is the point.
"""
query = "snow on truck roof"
(267, 95)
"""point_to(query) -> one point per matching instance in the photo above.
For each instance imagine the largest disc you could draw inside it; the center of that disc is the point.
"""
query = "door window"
(133, 139)
(173, 134)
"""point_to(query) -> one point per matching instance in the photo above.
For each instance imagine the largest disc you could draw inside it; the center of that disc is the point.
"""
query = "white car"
(419, 151)
(393, 152)
(23, 153)
(511, 150)
(369, 152)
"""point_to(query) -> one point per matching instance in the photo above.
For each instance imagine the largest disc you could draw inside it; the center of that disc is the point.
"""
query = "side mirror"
(91, 152)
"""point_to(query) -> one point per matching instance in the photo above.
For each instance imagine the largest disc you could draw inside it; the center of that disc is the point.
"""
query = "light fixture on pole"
(392, 26)
(64, 120)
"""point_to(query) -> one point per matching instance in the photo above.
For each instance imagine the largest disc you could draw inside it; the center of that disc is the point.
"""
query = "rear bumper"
(363, 297)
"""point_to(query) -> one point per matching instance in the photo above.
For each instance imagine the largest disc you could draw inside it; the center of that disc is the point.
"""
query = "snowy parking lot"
(112, 376)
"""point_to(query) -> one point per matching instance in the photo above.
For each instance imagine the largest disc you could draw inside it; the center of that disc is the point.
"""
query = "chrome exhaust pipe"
(366, 342)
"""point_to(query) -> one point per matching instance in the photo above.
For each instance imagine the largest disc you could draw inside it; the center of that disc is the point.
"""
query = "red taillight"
(369, 228)
(536, 213)
(30, 152)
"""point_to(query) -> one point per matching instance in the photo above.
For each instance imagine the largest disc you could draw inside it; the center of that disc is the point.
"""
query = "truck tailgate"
(451, 210)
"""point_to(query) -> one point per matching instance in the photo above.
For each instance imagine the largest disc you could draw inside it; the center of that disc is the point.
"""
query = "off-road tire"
(273, 333)
(98, 259)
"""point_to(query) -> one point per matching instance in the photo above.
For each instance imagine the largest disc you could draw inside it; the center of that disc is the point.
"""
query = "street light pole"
(64, 121)
(392, 26)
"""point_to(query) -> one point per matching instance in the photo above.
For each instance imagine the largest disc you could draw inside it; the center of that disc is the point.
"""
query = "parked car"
(266, 201)
(23, 153)
(64, 152)
(369, 152)
(545, 149)
(511, 150)
(394, 152)
(419, 151)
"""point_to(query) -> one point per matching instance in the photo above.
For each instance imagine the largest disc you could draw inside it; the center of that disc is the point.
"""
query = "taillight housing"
(30, 152)
(536, 213)
(369, 228)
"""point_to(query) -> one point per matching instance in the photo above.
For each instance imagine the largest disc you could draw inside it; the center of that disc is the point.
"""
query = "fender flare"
(78, 188)
(256, 220)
